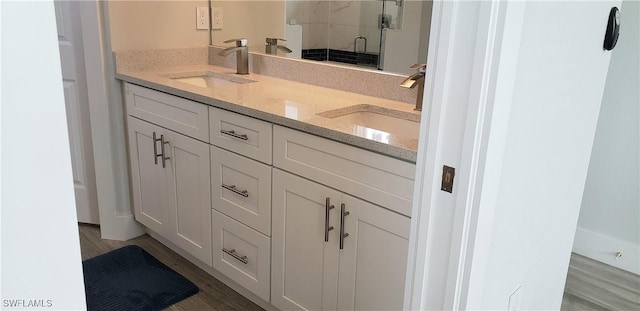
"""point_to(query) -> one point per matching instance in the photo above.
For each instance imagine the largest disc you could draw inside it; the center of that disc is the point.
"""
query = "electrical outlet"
(515, 299)
(202, 18)
(217, 18)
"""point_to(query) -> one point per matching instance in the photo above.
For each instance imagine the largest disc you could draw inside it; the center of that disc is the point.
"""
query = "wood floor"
(213, 294)
(596, 293)
(592, 285)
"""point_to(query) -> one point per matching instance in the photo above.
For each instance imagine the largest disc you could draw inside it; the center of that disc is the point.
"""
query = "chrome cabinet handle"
(162, 143)
(232, 253)
(343, 235)
(235, 135)
(155, 149)
(327, 228)
(235, 190)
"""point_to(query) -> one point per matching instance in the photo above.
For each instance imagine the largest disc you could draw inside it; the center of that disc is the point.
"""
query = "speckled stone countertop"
(292, 104)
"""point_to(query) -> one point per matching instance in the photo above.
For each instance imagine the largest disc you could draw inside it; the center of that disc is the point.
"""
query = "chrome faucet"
(272, 46)
(416, 79)
(242, 55)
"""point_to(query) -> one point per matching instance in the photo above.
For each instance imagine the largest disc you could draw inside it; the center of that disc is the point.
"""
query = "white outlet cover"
(217, 21)
(202, 18)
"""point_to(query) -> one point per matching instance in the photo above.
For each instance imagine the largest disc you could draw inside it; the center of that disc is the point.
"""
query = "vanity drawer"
(241, 134)
(232, 241)
(373, 177)
(181, 115)
(241, 189)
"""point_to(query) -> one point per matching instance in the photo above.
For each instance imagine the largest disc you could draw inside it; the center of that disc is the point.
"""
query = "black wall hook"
(613, 29)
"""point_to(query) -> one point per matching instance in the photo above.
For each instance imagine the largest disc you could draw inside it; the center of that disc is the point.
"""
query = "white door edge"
(74, 77)
(426, 289)
(495, 88)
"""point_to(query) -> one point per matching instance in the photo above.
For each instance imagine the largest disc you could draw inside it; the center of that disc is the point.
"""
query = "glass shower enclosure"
(350, 32)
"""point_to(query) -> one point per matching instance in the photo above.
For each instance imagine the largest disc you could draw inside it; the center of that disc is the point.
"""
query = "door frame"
(466, 113)
(107, 126)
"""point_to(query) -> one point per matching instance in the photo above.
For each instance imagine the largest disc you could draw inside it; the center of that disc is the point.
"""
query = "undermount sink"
(208, 79)
(396, 122)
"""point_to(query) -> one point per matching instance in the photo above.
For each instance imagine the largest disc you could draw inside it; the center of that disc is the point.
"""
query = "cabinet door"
(304, 274)
(189, 195)
(373, 259)
(150, 197)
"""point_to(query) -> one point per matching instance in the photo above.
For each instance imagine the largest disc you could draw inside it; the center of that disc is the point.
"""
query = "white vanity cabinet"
(373, 258)
(242, 254)
(178, 114)
(304, 258)
(241, 199)
(241, 134)
(241, 189)
(379, 179)
(313, 268)
(300, 221)
(211, 200)
(171, 192)
(331, 250)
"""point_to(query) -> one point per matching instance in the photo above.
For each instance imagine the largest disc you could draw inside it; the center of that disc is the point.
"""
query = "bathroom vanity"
(285, 191)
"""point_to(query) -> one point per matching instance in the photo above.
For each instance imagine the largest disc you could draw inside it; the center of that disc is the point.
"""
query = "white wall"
(344, 24)
(425, 27)
(610, 215)
(557, 88)
(402, 47)
(41, 260)
(241, 17)
(313, 16)
(155, 24)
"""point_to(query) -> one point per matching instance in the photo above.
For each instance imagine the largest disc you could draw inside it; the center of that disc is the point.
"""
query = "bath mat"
(129, 278)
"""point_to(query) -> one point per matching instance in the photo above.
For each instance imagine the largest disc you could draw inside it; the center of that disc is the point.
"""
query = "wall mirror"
(388, 35)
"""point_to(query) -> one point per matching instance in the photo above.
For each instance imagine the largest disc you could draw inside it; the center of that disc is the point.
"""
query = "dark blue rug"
(130, 279)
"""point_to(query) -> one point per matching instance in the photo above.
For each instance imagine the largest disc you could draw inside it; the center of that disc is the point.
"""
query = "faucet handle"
(239, 42)
(421, 67)
(274, 41)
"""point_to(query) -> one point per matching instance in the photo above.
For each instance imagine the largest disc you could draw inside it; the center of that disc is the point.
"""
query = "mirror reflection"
(388, 35)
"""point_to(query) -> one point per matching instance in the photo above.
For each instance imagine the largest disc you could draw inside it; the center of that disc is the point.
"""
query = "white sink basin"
(396, 122)
(208, 79)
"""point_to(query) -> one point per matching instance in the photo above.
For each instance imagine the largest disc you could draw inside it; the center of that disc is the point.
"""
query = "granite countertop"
(287, 103)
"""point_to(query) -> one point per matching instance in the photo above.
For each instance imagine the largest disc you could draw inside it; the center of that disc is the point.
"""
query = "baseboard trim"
(602, 285)
(603, 248)
(121, 228)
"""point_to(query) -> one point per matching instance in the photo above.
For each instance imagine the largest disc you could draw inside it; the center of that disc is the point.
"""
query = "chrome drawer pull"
(232, 253)
(164, 159)
(155, 149)
(233, 134)
(235, 190)
(327, 228)
(343, 235)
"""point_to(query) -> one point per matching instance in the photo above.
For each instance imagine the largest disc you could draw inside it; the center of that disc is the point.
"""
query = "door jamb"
(469, 236)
